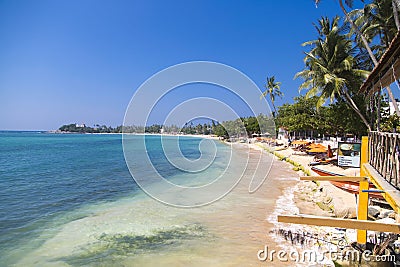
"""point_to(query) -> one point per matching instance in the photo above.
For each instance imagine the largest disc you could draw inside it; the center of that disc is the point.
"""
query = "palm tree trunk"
(273, 112)
(371, 55)
(395, 14)
(350, 101)
(355, 28)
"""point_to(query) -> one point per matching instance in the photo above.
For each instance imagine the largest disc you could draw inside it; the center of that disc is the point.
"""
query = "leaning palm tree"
(395, 8)
(273, 89)
(330, 69)
(377, 20)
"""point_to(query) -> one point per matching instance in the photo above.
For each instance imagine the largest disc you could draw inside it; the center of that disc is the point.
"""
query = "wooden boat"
(351, 187)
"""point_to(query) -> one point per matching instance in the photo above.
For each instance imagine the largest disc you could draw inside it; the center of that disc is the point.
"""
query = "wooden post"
(362, 211)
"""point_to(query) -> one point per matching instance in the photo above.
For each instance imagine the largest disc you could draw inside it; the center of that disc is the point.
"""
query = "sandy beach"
(306, 197)
(341, 200)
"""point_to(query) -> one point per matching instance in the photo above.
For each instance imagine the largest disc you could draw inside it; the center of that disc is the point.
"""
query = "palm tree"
(331, 71)
(273, 89)
(395, 7)
(377, 19)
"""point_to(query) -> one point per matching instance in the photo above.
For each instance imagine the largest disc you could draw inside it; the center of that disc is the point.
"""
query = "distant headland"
(239, 127)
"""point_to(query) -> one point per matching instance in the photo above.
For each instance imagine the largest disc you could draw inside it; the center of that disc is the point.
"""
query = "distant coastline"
(240, 127)
(210, 136)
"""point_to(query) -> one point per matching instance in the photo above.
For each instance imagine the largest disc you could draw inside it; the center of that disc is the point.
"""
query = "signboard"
(349, 154)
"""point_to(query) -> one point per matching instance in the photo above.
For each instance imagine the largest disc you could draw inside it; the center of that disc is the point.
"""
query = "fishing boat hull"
(351, 187)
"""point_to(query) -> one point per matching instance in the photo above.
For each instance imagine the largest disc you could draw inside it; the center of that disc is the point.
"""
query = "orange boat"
(351, 187)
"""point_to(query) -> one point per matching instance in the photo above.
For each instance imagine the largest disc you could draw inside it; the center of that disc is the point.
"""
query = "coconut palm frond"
(330, 66)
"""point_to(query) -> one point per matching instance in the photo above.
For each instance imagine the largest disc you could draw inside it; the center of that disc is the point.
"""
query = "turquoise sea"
(70, 200)
(49, 181)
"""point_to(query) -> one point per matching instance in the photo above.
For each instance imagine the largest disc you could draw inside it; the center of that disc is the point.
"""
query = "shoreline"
(307, 197)
(205, 136)
(225, 233)
(319, 198)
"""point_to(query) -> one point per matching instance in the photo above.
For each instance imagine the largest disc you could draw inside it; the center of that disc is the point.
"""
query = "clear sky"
(81, 61)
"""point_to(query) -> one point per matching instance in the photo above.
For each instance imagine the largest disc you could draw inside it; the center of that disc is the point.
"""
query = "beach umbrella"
(299, 142)
(314, 145)
(317, 150)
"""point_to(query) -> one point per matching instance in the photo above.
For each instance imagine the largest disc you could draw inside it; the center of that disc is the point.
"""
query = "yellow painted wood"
(340, 223)
(334, 178)
(391, 195)
(362, 210)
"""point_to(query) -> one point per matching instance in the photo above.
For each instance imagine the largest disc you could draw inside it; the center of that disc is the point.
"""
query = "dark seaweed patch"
(109, 248)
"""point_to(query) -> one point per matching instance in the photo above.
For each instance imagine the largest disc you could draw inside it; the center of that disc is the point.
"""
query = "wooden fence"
(384, 153)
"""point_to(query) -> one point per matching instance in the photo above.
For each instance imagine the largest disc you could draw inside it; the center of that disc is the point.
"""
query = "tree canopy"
(338, 61)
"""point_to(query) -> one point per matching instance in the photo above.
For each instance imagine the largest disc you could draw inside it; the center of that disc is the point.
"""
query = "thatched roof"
(389, 64)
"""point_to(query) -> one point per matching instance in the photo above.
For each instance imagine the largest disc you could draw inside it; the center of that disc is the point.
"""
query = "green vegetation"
(238, 127)
(76, 128)
(336, 64)
(331, 71)
(336, 119)
(297, 166)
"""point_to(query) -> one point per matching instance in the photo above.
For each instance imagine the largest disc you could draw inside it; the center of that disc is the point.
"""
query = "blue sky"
(81, 61)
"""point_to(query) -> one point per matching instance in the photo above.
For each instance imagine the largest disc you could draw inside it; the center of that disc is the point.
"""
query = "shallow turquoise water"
(50, 181)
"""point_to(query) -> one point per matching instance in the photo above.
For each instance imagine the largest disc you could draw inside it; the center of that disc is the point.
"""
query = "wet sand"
(241, 223)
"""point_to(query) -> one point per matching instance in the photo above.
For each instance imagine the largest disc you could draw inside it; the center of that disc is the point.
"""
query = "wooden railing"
(384, 153)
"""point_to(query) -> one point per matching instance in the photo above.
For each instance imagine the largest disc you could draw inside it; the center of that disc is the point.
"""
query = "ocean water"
(70, 200)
